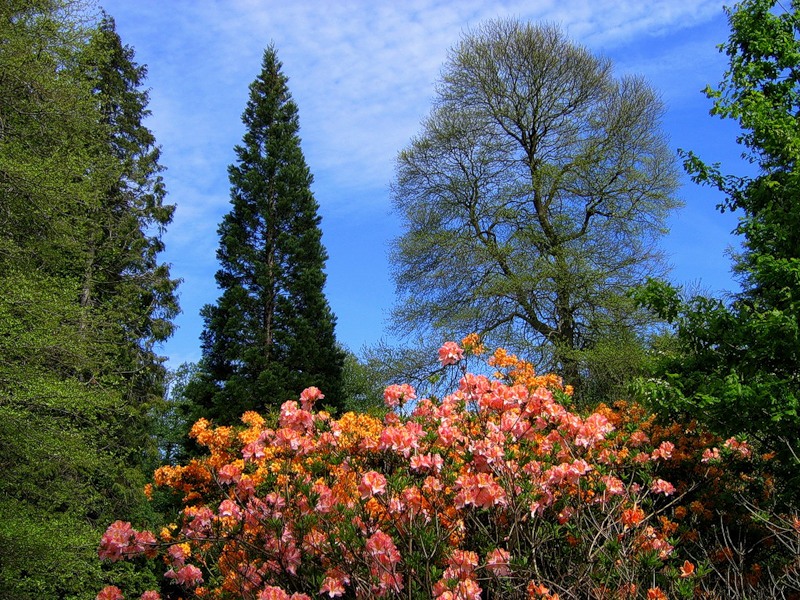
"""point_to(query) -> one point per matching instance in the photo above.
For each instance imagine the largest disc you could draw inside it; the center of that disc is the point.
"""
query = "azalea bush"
(497, 490)
(728, 515)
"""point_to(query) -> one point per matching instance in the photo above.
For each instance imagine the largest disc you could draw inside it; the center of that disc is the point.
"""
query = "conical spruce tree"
(271, 333)
(125, 289)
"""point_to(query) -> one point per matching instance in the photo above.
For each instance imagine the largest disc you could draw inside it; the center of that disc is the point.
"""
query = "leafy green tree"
(42, 161)
(362, 385)
(64, 453)
(125, 290)
(532, 200)
(271, 333)
(83, 298)
(171, 415)
(736, 364)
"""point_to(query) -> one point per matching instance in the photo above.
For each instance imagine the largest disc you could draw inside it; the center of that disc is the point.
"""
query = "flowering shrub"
(724, 516)
(495, 490)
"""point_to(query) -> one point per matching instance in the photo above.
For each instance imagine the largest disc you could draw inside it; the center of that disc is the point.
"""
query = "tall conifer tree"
(124, 287)
(271, 333)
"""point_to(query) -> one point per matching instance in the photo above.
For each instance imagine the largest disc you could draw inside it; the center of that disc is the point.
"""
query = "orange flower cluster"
(472, 344)
(522, 372)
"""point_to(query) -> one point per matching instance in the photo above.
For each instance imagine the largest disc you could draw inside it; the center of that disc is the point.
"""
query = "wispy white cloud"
(362, 73)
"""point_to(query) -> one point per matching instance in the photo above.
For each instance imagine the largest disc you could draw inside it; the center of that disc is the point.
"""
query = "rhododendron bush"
(495, 490)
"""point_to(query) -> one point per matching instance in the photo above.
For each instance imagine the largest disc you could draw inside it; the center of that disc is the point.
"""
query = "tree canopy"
(736, 363)
(84, 297)
(533, 198)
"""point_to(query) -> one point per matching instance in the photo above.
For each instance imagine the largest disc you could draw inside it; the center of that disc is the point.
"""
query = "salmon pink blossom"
(450, 353)
(742, 448)
(116, 540)
(664, 451)
(200, 524)
(333, 587)
(476, 385)
(398, 394)
(498, 561)
(568, 473)
(432, 485)
(177, 555)
(229, 474)
(614, 486)
(334, 583)
(710, 454)
(253, 451)
(110, 592)
(325, 500)
(480, 490)
(229, 508)
(272, 592)
(295, 418)
(426, 462)
(381, 548)
(372, 484)
(594, 429)
(659, 486)
(468, 589)
(188, 575)
(402, 440)
(308, 396)
(461, 564)
(145, 543)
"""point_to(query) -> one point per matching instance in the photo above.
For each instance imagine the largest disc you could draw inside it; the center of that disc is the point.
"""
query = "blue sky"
(363, 73)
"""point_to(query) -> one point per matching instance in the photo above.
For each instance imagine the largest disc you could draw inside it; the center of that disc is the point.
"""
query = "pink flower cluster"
(741, 448)
(112, 592)
(480, 490)
(121, 540)
(659, 486)
(498, 562)
(372, 484)
(458, 580)
(295, 418)
(450, 353)
(309, 396)
(272, 592)
(188, 575)
(402, 439)
(384, 559)
(398, 394)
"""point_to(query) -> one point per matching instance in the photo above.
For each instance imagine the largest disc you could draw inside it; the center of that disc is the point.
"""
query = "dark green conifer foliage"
(271, 333)
(124, 286)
